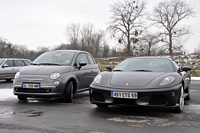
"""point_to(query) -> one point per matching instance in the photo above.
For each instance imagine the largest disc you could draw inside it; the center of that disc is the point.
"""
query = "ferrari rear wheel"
(22, 98)
(179, 109)
(68, 96)
(102, 105)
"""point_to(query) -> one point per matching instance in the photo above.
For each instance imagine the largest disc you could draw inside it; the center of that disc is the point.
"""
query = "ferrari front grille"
(97, 96)
(158, 100)
(124, 101)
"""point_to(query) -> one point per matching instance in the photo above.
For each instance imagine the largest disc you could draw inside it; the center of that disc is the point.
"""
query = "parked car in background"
(143, 81)
(10, 66)
(59, 73)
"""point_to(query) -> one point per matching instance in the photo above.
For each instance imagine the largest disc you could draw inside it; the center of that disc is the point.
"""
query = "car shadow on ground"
(131, 110)
(77, 99)
(135, 111)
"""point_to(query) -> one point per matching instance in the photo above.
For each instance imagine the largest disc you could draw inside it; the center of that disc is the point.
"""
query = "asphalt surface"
(55, 116)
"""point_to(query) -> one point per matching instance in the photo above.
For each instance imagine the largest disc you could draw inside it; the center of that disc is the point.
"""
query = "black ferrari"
(143, 81)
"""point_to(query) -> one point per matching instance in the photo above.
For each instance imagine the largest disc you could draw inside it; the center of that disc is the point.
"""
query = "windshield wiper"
(118, 70)
(142, 70)
(49, 64)
(34, 64)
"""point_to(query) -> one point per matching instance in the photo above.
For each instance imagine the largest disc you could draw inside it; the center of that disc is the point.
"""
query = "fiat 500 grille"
(32, 90)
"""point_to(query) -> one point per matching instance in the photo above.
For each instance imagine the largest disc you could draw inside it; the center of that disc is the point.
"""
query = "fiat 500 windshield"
(55, 58)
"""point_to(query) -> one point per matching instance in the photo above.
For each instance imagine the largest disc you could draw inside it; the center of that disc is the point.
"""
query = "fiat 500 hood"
(34, 70)
(134, 79)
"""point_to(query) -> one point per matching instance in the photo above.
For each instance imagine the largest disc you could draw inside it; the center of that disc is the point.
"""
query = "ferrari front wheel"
(188, 91)
(102, 105)
(180, 107)
(68, 96)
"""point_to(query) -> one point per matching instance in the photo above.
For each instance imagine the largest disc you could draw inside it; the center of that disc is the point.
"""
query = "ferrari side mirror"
(179, 70)
(186, 68)
(109, 68)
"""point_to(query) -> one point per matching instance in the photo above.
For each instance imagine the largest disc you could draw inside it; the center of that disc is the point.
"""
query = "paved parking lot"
(55, 116)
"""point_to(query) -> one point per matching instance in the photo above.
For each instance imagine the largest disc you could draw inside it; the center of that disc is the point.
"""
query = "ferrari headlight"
(55, 75)
(17, 75)
(97, 79)
(167, 80)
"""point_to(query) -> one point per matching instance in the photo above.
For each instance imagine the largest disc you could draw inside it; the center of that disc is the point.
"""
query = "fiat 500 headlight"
(55, 75)
(97, 79)
(17, 75)
(167, 80)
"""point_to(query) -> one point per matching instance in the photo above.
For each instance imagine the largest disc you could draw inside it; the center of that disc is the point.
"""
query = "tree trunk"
(170, 46)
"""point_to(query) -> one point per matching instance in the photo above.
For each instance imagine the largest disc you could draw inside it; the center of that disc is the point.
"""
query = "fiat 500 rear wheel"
(68, 96)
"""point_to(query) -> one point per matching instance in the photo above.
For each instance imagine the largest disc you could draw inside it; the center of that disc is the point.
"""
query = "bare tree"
(98, 40)
(85, 38)
(42, 49)
(3, 45)
(126, 22)
(106, 50)
(72, 33)
(168, 16)
(150, 40)
(197, 50)
(11, 49)
(87, 31)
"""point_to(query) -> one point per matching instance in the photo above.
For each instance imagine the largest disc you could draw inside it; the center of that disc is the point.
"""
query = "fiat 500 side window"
(81, 57)
(91, 60)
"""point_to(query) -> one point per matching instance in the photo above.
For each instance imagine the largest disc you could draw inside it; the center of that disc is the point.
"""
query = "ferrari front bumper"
(162, 97)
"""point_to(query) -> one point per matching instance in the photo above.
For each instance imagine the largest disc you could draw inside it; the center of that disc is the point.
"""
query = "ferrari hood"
(38, 70)
(134, 79)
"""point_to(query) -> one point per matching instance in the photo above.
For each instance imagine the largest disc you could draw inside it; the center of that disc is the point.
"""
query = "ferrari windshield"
(55, 58)
(145, 65)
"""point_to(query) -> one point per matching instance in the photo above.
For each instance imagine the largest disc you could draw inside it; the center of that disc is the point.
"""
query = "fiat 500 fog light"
(55, 75)
(56, 82)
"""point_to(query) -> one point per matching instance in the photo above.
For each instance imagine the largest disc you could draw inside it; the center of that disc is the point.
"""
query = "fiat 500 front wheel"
(68, 96)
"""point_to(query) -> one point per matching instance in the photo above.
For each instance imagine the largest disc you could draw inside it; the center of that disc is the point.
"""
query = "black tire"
(22, 98)
(102, 105)
(68, 96)
(188, 91)
(181, 101)
(8, 80)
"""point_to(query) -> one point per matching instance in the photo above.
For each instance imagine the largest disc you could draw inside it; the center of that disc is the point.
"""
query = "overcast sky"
(42, 22)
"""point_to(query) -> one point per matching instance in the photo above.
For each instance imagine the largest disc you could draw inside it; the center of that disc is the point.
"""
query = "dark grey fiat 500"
(59, 73)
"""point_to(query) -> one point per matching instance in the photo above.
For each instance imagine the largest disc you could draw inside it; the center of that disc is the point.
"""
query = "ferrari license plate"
(129, 95)
(32, 86)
